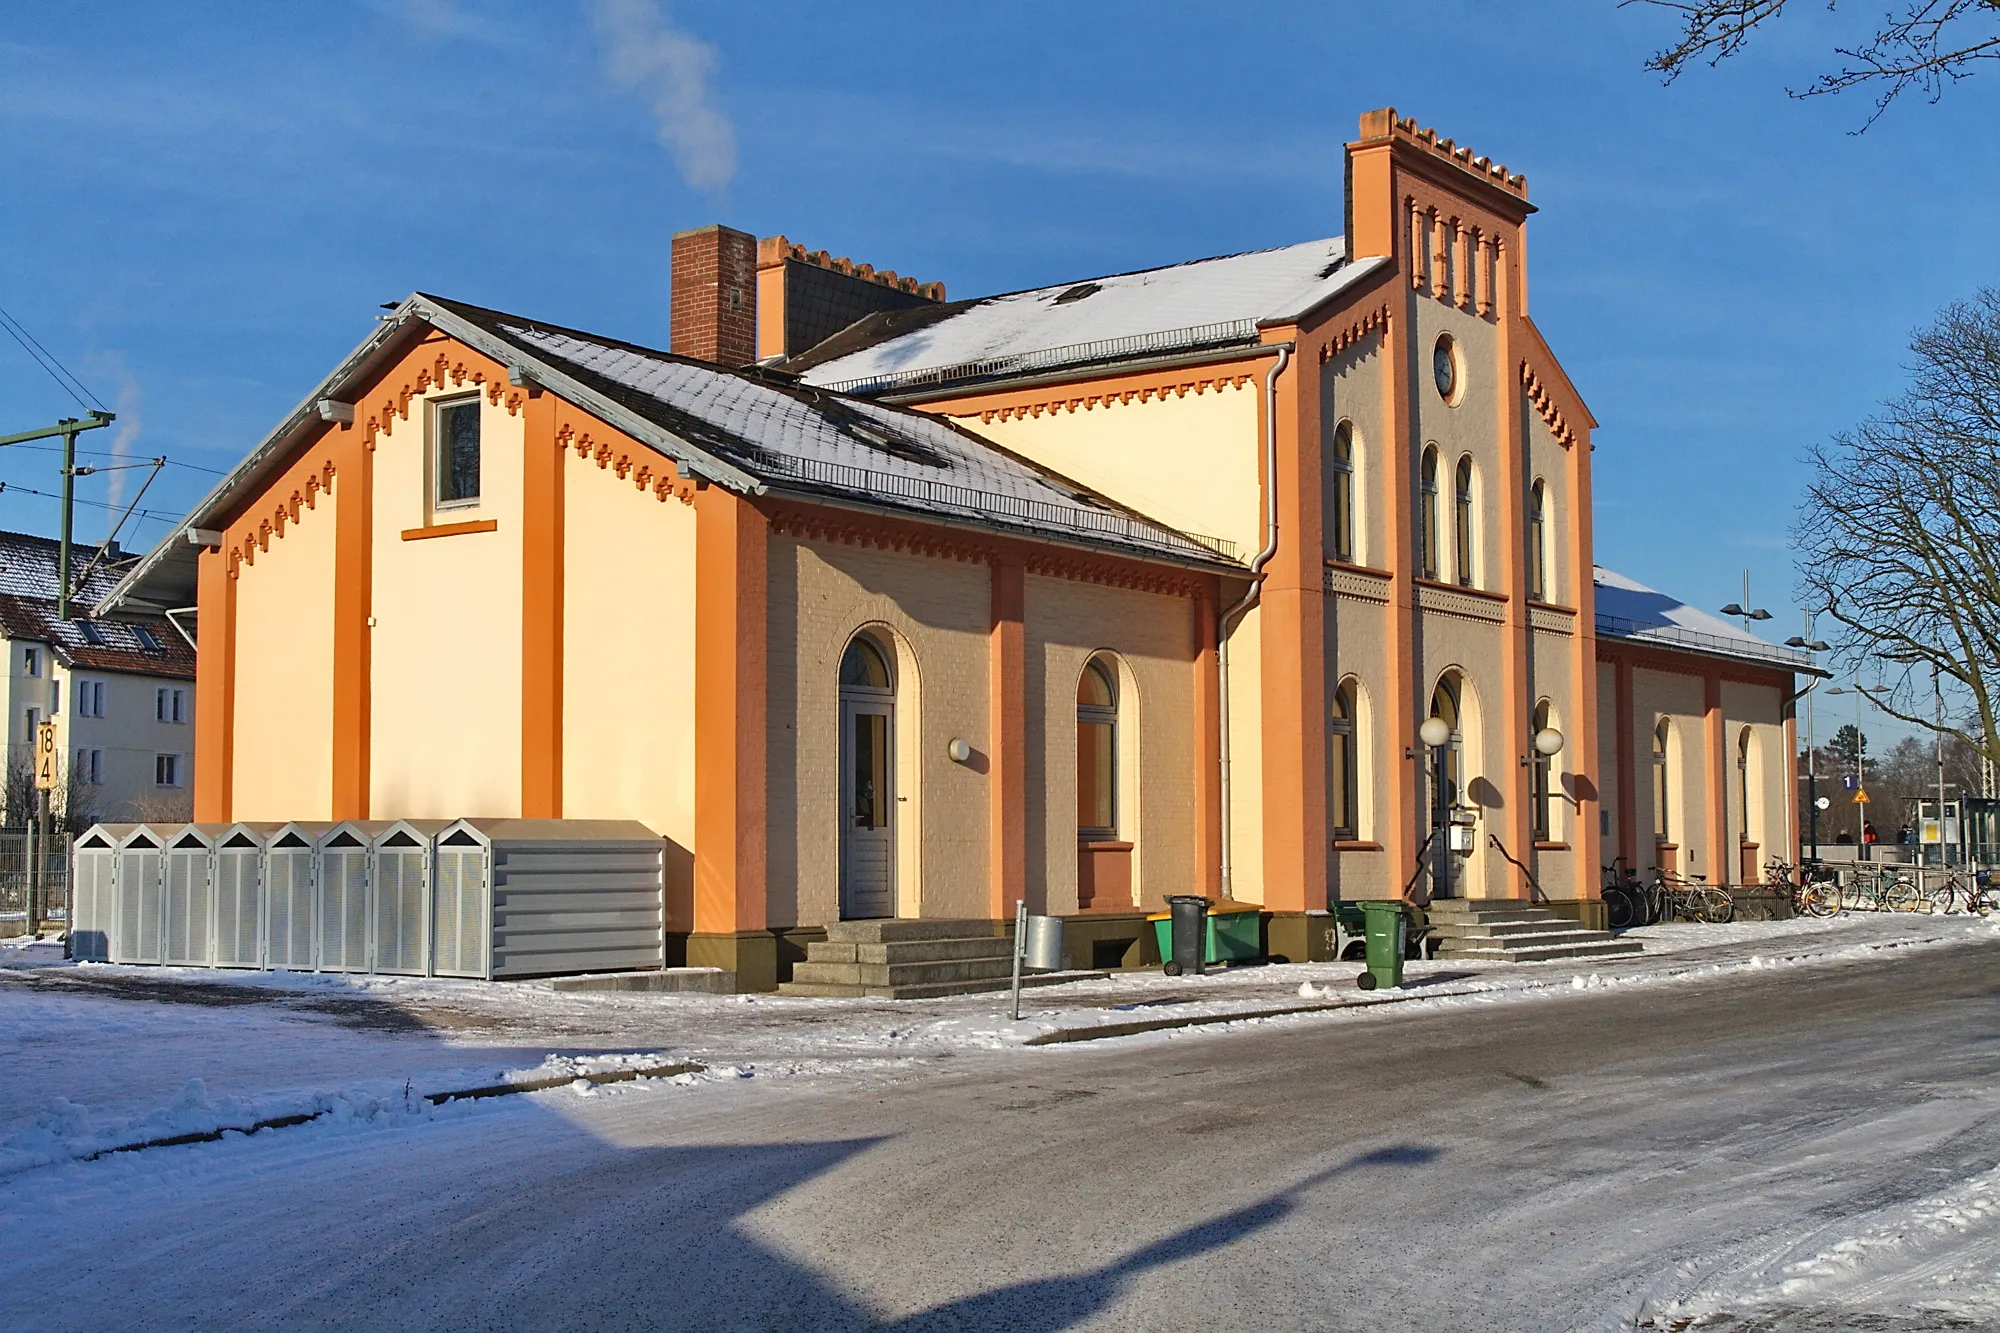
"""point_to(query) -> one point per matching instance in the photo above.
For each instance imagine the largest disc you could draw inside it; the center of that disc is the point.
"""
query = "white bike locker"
(291, 909)
(188, 898)
(399, 893)
(238, 879)
(342, 919)
(94, 892)
(138, 938)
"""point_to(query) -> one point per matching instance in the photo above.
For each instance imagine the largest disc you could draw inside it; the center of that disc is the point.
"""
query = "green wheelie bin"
(1386, 928)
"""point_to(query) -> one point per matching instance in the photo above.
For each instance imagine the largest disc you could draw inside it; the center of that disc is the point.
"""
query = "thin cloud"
(671, 71)
(125, 435)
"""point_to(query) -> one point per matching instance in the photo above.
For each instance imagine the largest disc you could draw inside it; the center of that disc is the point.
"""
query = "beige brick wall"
(1151, 635)
(934, 613)
(1357, 647)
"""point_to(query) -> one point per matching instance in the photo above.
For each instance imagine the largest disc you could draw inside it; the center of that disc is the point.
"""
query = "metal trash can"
(1387, 928)
(1189, 935)
(1042, 951)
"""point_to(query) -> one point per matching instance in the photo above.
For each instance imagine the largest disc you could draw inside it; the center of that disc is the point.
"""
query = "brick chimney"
(714, 295)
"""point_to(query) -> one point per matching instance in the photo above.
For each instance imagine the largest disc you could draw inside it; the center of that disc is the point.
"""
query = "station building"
(873, 603)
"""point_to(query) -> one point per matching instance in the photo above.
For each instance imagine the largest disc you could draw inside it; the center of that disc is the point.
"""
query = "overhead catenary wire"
(46, 359)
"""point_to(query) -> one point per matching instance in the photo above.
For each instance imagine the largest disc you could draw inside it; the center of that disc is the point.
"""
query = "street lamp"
(1436, 736)
(1743, 607)
(1937, 729)
(1810, 646)
(1860, 777)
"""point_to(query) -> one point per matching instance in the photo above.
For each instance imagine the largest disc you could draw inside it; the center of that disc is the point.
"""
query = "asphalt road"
(1561, 1163)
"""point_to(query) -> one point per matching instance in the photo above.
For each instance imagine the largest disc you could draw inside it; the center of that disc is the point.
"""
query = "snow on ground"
(101, 1055)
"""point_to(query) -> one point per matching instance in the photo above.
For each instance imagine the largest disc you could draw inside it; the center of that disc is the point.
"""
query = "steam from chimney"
(670, 69)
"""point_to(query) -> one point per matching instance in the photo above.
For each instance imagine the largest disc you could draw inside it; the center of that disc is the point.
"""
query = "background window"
(1538, 542)
(31, 661)
(169, 705)
(1342, 764)
(1542, 795)
(166, 770)
(1462, 521)
(1096, 753)
(1341, 519)
(89, 696)
(458, 452)
(1661, 734)
(1430, 514)
(1743, 743)
(90, 767)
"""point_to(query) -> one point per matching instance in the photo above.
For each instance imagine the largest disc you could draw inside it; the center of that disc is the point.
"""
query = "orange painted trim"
(1485, 594)
(215, 689)
(1090, 390)
(1587, 767)
(353, 608)
(1357, 847)
(450, 529)
(1007, 731)
(1553, 847)
(1292, 649)
(1791, 784)
(1402, 828)
(1203, 628)
(1656, 657)
(731, 669)
(1517, 683)
(542, 530)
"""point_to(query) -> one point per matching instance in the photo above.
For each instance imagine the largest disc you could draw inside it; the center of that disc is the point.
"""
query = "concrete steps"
(1506, 931)
(910, 960)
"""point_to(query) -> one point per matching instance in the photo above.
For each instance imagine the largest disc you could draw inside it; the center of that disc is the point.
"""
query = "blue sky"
(207, 202)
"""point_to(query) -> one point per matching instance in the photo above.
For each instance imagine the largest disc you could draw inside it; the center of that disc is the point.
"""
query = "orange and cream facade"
(875, 604)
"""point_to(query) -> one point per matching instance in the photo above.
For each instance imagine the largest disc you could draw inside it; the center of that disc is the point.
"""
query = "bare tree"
(1899, 534)
(1926, 44)
(72, 806)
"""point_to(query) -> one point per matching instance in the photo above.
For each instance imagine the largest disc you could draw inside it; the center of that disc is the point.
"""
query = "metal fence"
(16, 874)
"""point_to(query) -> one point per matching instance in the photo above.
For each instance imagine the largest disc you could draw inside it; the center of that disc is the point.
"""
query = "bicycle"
(1813, 891)
(1624, 900)
(1881, 891)
(1693, 899)
(1958, 893)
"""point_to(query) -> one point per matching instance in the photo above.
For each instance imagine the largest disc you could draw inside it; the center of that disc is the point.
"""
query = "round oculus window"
(1444, 367)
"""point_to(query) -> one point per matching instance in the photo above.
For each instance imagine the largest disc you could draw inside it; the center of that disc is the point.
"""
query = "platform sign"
(1850, 782)
(45, 757)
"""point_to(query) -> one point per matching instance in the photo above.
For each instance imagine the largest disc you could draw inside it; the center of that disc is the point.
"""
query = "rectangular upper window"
(455, 456)
(169, 705)
(31, 661)
(89, 696)
(166, 770)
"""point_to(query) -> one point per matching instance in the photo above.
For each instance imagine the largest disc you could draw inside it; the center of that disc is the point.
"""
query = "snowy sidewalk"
(99, 1054)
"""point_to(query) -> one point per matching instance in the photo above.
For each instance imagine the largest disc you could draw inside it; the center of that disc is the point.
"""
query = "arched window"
(1343, 765)
(1462, 521)
(1538, 541)
(867, 781)
(1662, 734)
(1445, 705)
(1542, 785)
(863, 667)
(1340, 515)
(1430, 514)
(1097, 752)
(1743, 743)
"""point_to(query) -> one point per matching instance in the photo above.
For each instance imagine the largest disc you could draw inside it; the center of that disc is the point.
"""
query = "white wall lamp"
(959, 749)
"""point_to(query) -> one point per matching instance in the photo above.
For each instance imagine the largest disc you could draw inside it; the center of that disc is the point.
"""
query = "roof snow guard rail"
(1106, 349)
(990, 506)
(1622, 628)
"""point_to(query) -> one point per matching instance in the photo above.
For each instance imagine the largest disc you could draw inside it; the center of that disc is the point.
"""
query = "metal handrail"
(1167, 340)
(991, 505)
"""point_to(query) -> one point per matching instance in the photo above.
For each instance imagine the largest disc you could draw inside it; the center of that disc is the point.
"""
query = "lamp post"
(1744, 609)
(1860, 778)
(1937, 731)
(1809, 645)
(1436, 736)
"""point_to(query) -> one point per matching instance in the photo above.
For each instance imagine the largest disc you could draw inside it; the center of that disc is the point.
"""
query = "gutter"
(1229, 618)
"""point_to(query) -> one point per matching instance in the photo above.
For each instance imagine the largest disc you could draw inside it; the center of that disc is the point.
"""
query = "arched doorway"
(867, 781)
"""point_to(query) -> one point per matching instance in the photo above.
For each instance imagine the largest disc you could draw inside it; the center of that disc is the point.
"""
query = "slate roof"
(28, 611)
(1183, 307)
(750, 431)
(1628, 609)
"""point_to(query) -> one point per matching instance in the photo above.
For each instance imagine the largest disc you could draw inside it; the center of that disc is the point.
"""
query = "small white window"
(455, 453)
(55, 696)
(90, 767)
(33, 719)
(31, 661)
(89, 696)
(166, 770)
(169, 705)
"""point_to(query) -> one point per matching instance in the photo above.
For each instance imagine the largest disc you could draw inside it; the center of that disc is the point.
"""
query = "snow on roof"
(1204, 302)
(810, 439)
(1628, 609)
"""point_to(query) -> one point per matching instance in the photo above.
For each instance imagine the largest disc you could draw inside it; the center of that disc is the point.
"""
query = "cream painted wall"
(446, 646)
(1151, 637)
(283, 763)
(1192, 462)
(1760, 708)
(1474, 648)
(628, 658)
(1657, 694)
(1468, 427)
(1560, 873)
(934, 613)
(1246, 755)
(1550, 462)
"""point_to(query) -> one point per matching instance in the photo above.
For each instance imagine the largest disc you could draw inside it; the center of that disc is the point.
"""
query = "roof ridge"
(1151, 268)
